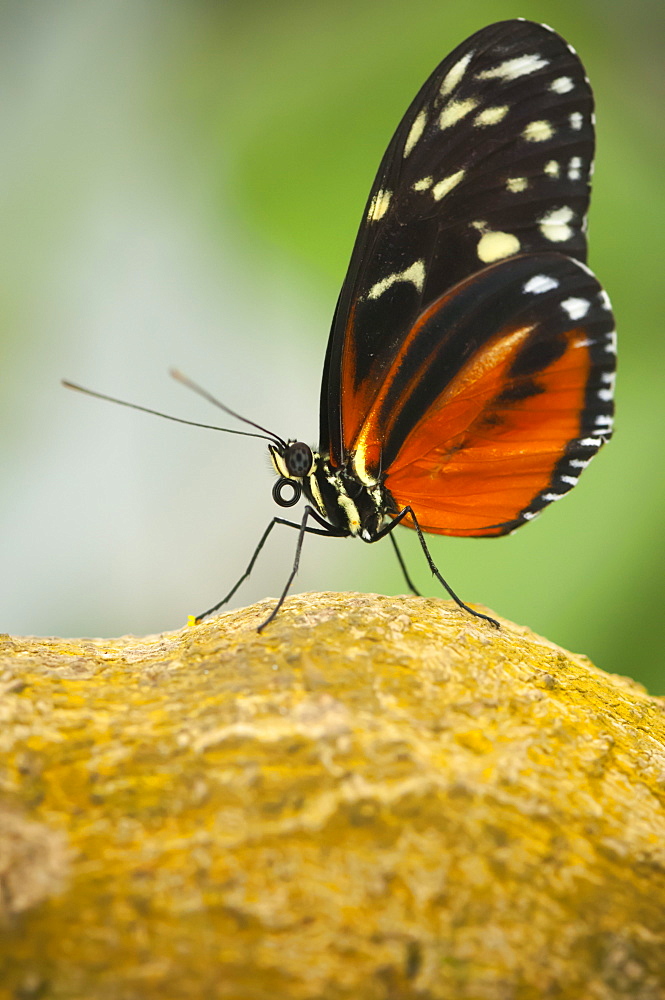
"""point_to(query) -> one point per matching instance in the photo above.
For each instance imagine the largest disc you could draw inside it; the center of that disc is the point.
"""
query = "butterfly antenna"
(179, 377)
(168, 416)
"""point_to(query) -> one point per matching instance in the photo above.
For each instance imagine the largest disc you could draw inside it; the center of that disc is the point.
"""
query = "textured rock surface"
(375, 798)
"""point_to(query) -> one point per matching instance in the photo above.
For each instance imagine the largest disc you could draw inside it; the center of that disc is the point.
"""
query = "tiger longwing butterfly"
(469, 373)
(470, 368)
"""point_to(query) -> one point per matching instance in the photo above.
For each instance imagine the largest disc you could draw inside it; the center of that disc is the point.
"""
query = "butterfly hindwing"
(492, 159)
(498, 398)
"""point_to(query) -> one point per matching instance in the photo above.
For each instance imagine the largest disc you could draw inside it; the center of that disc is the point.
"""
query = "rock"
(377, 798)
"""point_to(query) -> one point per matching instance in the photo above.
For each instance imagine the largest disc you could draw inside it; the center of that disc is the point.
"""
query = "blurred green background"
(182, 183)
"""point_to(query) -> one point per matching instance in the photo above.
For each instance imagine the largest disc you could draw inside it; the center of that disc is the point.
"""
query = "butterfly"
(469, 373)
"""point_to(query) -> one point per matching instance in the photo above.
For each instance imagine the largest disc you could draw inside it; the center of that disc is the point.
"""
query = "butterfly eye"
(289, 498)
(298, 459)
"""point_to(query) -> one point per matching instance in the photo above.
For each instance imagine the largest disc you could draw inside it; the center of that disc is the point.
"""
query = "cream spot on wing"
(575, 168)
(540, 283)
(562, 85)
(423, 184)
(552, 168)
(604, 299)
(454, 75)
(379, 205)
(446, 185)
(576, 121)
(538, 131)
(555, 224)
(576, 308)
(415, 274)
(496, 245)
(415, 131)
(512, 69)
(456, 110)
(491, 116)
(517, 184)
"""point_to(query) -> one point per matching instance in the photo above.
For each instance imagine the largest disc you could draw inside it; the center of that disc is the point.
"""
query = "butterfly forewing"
(491, 160)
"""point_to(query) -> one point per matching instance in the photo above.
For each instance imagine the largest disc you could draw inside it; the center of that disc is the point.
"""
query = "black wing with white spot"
(492, 159)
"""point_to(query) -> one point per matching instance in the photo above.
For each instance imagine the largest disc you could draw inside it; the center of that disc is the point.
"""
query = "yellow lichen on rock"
(374, 798)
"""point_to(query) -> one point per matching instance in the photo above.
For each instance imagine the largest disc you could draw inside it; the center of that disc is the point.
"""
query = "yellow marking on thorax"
(360, 468)
(316, 493)
(351, 512)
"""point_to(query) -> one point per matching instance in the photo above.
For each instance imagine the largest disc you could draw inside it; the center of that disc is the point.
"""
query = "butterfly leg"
(264, 538)
(325, 529)
(405, 572)
(432, 565)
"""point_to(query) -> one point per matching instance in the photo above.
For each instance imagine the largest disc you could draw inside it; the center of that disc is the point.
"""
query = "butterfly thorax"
(351, 505)
(347, 502)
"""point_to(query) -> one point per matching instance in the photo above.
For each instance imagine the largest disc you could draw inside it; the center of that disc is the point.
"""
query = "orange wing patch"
(357, 397)
(491, 442)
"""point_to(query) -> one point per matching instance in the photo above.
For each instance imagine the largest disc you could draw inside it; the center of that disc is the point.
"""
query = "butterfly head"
(351, 505)
(293, 462)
